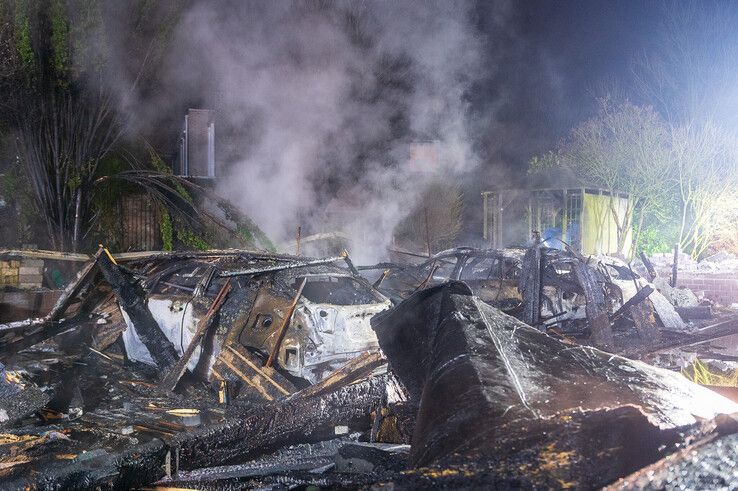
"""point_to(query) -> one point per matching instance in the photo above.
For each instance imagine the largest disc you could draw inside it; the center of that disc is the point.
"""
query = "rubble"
(233, 369)
(516, 398)
(679, 297)
(707, 463)
(551, 289)
(18, 397)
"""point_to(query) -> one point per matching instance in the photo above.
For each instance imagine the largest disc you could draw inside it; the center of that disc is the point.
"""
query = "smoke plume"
(335, 114)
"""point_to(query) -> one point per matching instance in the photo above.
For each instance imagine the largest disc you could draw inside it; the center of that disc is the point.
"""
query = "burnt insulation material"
(478, 374)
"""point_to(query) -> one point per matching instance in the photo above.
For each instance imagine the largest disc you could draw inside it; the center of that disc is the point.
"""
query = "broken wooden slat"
(648, 265)
(720, 329)
(424, 283)
(73, 288)
(43, 254)
(252, 382)
(596, 309)
(244, 365)
(381, 278)
(349, 263)
(260, 371)
(675, 267)
(645, 322)
(281, 267)
(170, 380)
(531, 286)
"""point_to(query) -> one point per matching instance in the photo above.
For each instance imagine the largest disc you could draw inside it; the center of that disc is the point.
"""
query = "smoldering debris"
(245, 369)
(598, 300)
(515, 397)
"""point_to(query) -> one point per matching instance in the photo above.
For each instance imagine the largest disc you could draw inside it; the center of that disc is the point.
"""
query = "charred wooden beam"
(360, 367)
(272, 425)
(648, 265)
(280, 267)
(131, 298)
(720, 329)
(43, 254)
(596, 308)
(264, 382)
(675, 267)
(171, 379)
(285, 324)
(696, 312)
(642, 294)
(349, 263)
(531, 286)
(71, 291)
(645, 322)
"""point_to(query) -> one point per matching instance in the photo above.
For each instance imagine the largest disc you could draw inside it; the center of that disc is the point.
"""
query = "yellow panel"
(599, 230)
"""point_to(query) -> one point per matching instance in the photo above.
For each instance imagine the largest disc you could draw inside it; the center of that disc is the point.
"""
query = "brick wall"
(9, 272)
(22, 273)
(718, 287)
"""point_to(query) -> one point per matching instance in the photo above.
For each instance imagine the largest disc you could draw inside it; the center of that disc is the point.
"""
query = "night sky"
(561, 55)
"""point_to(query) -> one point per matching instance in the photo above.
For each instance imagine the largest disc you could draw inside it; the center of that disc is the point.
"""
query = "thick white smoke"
(328, 99)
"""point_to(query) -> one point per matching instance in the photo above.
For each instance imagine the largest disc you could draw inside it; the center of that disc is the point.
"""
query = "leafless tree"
(623, 149)
(706, 163)
(64, 122)
(689, 73)
(56, 97)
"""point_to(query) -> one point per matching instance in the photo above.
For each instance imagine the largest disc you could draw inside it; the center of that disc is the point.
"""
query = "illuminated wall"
(600, 233)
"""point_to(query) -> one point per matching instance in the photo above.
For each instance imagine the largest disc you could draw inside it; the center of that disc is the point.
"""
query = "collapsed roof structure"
(242, 369)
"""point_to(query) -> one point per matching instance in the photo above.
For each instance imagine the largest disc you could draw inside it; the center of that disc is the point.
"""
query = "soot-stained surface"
(498, 391)
(483, 399)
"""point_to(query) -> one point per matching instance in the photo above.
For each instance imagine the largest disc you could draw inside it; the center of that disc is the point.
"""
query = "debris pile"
(719, 262)
(241, 369)
(597, 300)
(523, 409)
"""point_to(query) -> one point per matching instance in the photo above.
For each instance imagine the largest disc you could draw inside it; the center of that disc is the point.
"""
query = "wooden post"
(299, 234)
(564, 215)
(485, 217)
(675, 266)
(427, 232)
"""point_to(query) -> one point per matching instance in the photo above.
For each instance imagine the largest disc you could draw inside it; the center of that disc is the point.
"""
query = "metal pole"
(280, 267)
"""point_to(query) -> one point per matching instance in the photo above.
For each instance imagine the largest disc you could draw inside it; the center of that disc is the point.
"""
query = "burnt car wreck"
(550, 289)
(238, 369)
